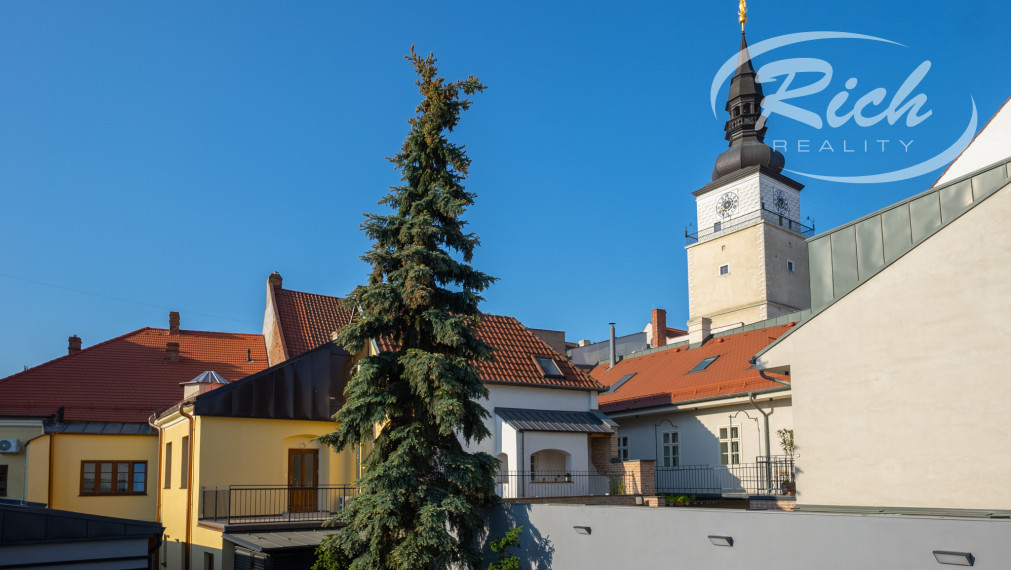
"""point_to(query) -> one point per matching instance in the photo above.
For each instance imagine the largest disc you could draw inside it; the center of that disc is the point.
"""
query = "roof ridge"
(65, 356)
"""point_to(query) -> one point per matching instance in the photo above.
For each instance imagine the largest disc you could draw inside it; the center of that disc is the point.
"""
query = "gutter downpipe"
(158, 477)
(768, 445)
(189, 488)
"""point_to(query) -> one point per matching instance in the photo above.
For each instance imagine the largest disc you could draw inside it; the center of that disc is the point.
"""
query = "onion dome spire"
(744, 105)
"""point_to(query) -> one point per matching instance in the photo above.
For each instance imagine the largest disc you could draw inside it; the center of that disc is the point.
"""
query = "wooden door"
(303, 469)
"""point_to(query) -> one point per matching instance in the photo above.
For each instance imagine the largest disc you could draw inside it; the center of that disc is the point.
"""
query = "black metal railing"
(737, 222)
(536, 484)
(240, 504)
(767, 476)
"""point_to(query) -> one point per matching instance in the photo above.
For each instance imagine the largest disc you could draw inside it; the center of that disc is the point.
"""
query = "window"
(669, 448)
(704, 364)
(789, 265)
(614, 387)
(623, 447)
(717, 226)
(724, 269)
(548, 366)
(168, 465)
(3, 480)
(114, 477)
(208, 561)
(184, 463)
(730, 446)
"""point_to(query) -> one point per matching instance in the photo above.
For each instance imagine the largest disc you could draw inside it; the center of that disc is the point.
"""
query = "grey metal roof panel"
(100, 428)
(902, 226)
(23, 524)
(554, 420)
(282, 540)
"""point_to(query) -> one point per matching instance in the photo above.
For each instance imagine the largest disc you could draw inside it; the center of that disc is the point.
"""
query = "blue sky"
(158, 156)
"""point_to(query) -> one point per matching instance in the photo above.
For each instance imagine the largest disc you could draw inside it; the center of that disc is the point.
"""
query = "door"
(302, 480)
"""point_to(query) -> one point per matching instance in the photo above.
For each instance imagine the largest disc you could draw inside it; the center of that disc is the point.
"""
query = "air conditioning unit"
(10, 446)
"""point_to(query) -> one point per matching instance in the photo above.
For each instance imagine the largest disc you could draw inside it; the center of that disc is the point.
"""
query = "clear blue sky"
(173, 154)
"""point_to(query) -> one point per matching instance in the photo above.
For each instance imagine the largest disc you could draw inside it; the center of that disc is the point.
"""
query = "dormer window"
(549, 368)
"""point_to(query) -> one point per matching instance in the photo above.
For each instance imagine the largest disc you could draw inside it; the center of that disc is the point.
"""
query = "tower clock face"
(779, 201)
(727, 206)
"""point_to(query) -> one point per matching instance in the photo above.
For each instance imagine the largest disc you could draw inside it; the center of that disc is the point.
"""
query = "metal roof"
(25, 524)
(274, 541)
(208, 377)
(556, 420)
(100, 428)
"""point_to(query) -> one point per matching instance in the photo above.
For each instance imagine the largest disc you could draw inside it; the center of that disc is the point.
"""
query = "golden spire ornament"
(742, 13)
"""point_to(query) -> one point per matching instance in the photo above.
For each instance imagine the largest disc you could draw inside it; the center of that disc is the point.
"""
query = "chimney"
(173, 322)
(171, 351)
(74, 344)
(274, 280)
(659, 327)
(613, 357)
(699, 330)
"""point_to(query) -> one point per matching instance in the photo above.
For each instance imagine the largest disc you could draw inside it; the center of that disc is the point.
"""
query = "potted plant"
(789, 487)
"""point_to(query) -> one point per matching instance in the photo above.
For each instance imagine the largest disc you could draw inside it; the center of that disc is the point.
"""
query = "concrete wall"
(643, 537)
(900, 388)
(23, 431)
(698, 429)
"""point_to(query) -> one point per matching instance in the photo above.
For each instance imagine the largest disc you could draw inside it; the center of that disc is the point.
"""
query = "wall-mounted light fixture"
(582, 529)
(721, 540)
(954, 558)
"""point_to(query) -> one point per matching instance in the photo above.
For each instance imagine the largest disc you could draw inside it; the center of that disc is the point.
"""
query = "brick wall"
(638, 475)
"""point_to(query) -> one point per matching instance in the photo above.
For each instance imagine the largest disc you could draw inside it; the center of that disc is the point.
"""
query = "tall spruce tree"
(420, 490)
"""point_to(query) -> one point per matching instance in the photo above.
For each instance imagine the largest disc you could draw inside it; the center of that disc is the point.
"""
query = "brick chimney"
(274, 280)
(173, 322)
(659, 327)
(74, 344)
(171, 351)
(699, 330)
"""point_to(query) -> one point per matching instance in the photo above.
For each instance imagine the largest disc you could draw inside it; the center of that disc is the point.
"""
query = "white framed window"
(789, 265)
(670, 449)
(724, 269)
(623, 447)
(730, 445)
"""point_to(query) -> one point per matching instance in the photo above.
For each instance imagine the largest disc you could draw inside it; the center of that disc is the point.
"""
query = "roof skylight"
(548, 366)
(703, 365)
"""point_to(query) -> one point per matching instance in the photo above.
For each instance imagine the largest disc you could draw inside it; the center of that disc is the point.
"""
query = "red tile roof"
(663, 377)
(307, 319)
(126, 379)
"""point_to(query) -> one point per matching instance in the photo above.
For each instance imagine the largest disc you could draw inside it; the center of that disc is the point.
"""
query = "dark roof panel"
(554, 420)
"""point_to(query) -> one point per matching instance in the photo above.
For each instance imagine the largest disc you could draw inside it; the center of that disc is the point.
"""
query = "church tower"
(748, 260)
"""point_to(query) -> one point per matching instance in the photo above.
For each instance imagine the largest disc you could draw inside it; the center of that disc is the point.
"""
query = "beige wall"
(23, 431)
(787, 292)
(900, 388)
(723, 297)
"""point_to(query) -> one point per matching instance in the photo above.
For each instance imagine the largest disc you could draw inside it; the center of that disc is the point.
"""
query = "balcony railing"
(737, 222)
(247, 504)
(772, 476)
(538, 484)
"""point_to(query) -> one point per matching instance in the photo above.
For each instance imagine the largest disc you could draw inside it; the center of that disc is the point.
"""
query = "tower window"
(724, 269)
(789, 265)
(717, 226)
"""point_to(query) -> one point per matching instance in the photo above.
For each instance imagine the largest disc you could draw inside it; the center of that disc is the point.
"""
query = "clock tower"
(748, 260)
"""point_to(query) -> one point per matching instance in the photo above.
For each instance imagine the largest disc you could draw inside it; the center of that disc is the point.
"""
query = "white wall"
(505, 439)
(901, 387)
(989, 146)
(698, 430)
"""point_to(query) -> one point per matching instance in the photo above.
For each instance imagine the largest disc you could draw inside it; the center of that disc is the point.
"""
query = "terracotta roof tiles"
(307, 319)
(663, 377)
(127, 378)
